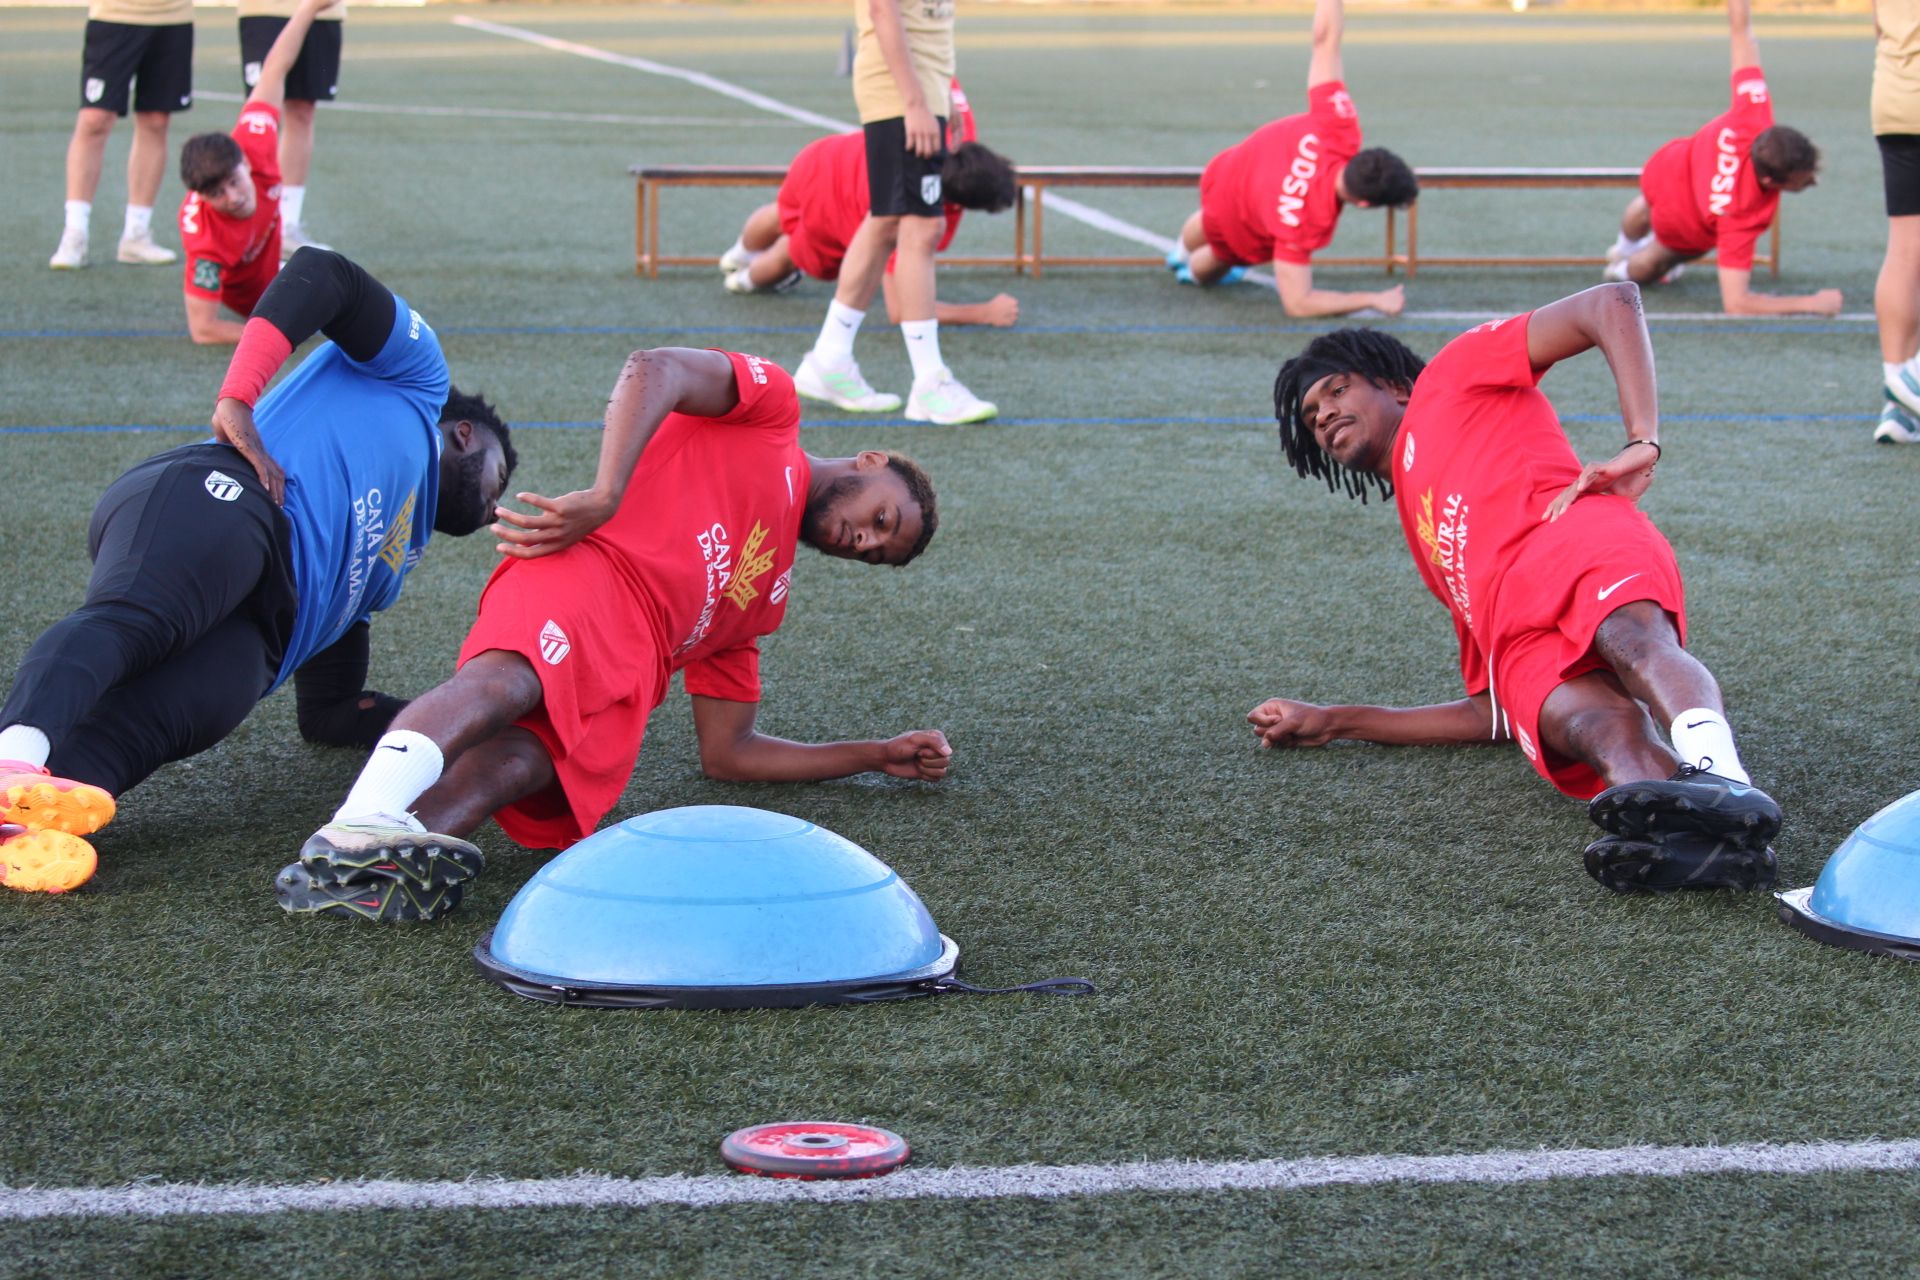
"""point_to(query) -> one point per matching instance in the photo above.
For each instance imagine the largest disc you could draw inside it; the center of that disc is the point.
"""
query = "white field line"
(1059, 204)
(1027, 1182)
(505, 113)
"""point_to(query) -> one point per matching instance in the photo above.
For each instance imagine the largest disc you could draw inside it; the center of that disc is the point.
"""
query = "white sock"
(1911, 368)
(139, 222)
(403, 765)
(1890, 372)
(1621, 246)
(923, 348)
(835, 345)
(26, 744)
(1180, 251)
(1704, 739)
(291, 199)
(79, 213)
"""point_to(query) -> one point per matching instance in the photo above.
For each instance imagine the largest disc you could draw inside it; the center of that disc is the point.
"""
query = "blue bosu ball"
(1868, 894)
(715, 907)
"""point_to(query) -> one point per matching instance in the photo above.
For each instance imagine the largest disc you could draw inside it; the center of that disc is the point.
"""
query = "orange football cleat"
(44, 861)
(33, 798)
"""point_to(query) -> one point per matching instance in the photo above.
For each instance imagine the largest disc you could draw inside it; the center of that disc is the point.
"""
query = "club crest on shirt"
(930, 189)
(754, 564)
(1406, 455)
(393, 551)
(222, 486)
(96, 88)
(554, 645)
(206, 274)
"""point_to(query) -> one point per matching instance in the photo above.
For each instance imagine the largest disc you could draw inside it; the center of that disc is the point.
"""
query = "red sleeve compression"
(262, 350)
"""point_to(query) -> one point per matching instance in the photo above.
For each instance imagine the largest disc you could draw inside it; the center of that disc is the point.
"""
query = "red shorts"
(592, 642)
(1230, 241)
(1602, 554)
(1664, 182)
(817, 258)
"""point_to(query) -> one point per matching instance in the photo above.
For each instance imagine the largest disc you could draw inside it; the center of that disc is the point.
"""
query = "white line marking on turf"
(1059, 204)
(150, 1200)
(506, 113)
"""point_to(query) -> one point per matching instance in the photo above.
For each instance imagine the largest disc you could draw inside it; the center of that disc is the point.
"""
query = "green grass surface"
(1329, 953)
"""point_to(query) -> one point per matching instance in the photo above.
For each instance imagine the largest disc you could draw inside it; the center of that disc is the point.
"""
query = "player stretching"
(1566, 600)
(824, 200)
(581, 629)
(230, 219)
(1276, 197)
(1719, 189)
(902, 75)
(217, 574)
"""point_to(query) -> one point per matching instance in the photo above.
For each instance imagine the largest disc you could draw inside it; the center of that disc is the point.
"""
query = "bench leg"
(1039, 209)
(1020, 228)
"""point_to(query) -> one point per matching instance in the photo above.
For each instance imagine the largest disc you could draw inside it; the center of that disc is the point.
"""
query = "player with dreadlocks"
(1567, 602)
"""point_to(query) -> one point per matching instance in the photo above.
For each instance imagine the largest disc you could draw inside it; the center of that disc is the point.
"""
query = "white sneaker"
(1626, 249)
(141, 251)
(293, 238)
(1897, 426)
(732, 261)
(1904, 388)
(843, 388)
(1615, 270)
(944, 400)
(72, 253)
(740, 280)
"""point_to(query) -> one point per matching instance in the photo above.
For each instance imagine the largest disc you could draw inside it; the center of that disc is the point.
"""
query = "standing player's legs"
(313, 78)
(936, 395)
(829, 371)
(163, 85)
(1896, 293)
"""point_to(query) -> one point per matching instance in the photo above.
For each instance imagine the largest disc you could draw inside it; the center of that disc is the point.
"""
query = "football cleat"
(72, 253)
(33, 798)
(383, 901)
(843, 388)
(1234, 276)
(44, 861)
(1896, 425)
(943, 399)
(141, 251)
(1177, 256)
(386, 848)
(1682, 860)
(1692, 800)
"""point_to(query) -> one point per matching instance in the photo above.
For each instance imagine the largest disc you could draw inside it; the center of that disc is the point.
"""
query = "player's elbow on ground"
(722, 764)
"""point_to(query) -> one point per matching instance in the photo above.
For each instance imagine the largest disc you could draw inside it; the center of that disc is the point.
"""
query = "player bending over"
(581, 629)
(1720, 189)
(230, 219)
(1277, 196)
(1567, 602)
(221, 569)
(824, 199)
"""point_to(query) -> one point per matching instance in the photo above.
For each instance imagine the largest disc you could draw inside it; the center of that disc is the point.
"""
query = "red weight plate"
(814, 1149)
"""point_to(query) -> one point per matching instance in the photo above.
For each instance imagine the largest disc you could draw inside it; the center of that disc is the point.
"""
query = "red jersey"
(1703, 190)
(708, 529)
(1479, 456)
(1272, 197)
(824, 197)
(233, 260)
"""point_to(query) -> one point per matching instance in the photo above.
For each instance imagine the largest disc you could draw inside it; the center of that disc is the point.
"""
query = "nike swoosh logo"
(1616, 586)
(1695, 724)
(390, 747)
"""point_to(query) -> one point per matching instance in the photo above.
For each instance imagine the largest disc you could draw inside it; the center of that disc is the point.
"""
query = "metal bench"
(652, 182)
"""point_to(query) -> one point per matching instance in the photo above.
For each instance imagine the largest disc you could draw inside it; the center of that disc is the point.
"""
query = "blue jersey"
(360, 445)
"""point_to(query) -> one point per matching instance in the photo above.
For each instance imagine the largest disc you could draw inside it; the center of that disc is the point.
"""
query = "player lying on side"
(1719, 190)
(824, 199)
(1277, 196)
(678, 559)
(222, 569)
(230, 219)
(1567, 602)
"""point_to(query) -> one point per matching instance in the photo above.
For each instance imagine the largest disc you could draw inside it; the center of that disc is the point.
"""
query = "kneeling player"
(1719, 190)
(1567, 601)
(601, 601)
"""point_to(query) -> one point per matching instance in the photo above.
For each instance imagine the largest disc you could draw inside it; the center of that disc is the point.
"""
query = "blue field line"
(1170, 420)
(576, 330)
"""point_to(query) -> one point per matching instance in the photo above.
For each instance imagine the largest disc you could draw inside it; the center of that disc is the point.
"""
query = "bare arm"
(1609, 317)
(271, 88)
(923, 135)
(731, 750)
(1282, 722)
(1746, 50)
(1298, 297)
(1739, 299)
(1329, 23)
(652, 385)
(1001, 311)
(205, 324)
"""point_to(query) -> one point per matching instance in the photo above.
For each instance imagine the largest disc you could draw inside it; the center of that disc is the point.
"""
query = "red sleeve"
(1752, 110)
(732, 674)
(961, 126)
(1335, 118)
(1493, 355)
(1735, 241)
(953, 212)
(258, 133)
(767, 397)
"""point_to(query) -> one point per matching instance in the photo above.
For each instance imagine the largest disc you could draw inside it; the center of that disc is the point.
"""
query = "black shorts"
(1900, 166)
(899, 183)
(316, 72)
(160, 59)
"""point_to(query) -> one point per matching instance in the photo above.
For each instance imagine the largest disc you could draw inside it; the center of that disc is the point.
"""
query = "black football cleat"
(1691, 801)
(381, 899)
(1683, 860)
(341, 854)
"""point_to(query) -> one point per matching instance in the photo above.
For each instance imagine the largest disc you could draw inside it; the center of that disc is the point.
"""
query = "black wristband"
(1657, 451)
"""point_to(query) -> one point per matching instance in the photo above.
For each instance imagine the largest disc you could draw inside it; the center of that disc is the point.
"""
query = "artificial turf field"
(1344, 952)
